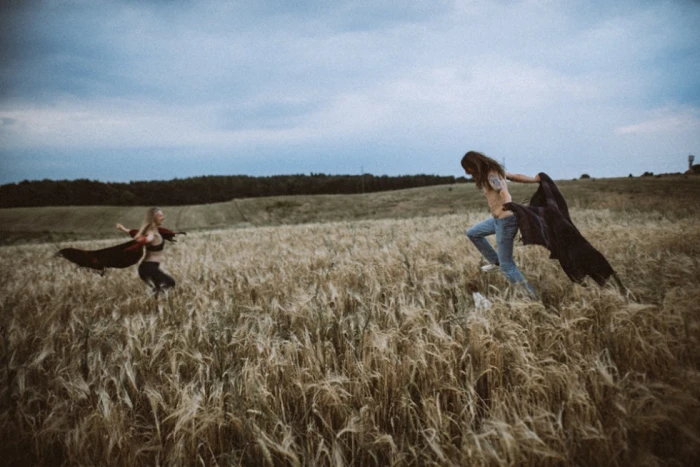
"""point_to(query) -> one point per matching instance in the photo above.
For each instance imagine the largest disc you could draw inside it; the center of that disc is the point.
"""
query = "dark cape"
(546, 221)
(118, 256)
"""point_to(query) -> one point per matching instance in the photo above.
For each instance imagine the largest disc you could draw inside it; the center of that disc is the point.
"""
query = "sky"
(124, 90)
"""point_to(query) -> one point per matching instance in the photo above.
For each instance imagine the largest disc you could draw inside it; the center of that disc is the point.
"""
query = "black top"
(158, 247)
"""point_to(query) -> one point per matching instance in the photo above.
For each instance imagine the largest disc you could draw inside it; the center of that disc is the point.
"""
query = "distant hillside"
(622, 195)
(202, 190)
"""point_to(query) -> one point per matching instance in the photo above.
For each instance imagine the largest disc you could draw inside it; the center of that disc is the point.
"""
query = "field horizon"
(69, 223)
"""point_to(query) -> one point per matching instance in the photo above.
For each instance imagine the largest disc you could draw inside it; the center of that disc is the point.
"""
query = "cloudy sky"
(137, 90)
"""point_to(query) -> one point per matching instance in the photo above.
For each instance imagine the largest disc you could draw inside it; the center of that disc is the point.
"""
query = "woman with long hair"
(491, 179)
(150, 236)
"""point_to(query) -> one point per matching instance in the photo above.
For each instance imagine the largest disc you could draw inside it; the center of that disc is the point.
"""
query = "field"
(349, 337)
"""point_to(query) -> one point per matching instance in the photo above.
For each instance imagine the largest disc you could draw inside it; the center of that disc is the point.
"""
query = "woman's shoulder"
(493, 175)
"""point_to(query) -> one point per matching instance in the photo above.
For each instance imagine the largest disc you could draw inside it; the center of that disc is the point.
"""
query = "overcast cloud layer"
(136, 90)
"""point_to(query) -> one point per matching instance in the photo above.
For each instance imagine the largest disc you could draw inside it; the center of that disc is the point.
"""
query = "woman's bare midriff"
(496, 201)
(153, 257)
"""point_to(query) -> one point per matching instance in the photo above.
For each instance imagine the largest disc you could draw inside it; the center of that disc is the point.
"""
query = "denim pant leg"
(477, 235)
(506, 229)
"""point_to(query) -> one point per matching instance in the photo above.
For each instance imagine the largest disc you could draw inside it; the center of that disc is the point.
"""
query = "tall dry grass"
(356, 343)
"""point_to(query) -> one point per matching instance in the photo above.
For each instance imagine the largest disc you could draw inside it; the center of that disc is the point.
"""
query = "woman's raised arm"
(522, 178)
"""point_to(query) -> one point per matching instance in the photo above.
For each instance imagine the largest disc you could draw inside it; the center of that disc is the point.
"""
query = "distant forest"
(202, 190)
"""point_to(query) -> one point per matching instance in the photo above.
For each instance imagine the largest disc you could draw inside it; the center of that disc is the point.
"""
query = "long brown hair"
(481, 165)
(149, 221)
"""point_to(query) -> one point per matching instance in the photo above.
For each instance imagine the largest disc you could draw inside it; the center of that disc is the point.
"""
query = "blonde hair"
(149, 221)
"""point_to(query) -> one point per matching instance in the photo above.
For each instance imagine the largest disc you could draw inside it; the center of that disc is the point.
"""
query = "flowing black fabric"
(546, 221)
(119, 256)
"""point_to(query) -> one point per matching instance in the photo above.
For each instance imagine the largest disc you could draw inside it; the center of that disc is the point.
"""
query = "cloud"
(670, 123)
(299, 80)
(114, 124)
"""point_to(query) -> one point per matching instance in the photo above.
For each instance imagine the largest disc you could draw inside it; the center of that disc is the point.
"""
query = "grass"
(356, 342)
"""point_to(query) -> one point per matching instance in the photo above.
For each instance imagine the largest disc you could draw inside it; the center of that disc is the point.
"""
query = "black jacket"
(546, 222)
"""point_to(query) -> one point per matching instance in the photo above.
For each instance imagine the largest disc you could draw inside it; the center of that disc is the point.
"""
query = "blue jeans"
(505, 230)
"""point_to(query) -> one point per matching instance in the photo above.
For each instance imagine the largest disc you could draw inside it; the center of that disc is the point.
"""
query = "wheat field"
(356, 343)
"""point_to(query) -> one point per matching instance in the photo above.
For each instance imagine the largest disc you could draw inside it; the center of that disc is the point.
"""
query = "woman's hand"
(122, 228)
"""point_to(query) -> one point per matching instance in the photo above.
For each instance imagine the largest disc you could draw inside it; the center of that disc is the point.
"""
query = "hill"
(201, 190)
(23, 225)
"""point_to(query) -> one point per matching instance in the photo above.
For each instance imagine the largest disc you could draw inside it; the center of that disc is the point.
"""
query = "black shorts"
(149, 272)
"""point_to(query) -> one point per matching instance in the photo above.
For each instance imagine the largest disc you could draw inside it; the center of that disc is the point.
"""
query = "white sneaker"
(481, 302)
(489, 267)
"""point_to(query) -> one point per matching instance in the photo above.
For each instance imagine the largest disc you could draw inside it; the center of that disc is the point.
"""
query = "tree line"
(202, 190)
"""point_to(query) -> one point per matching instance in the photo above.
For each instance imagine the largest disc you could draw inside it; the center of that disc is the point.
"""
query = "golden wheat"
(356, 343)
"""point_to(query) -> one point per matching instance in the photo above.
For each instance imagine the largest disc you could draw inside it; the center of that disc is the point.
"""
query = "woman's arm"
(122, 228)
(522, 178)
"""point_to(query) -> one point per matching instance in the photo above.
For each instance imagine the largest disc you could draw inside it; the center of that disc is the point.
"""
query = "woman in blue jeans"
(491, 178)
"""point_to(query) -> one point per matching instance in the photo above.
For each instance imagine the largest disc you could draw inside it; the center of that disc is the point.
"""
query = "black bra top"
(158, 247)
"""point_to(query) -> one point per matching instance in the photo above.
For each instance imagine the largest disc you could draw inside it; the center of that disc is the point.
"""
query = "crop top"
(158, 247)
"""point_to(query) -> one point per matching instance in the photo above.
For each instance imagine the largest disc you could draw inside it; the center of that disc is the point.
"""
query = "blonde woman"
(151, 234)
